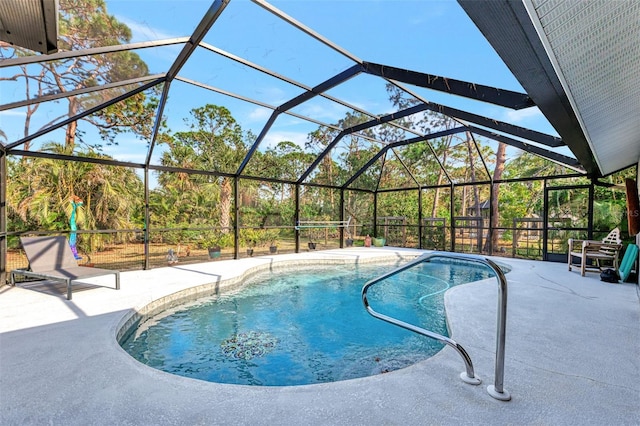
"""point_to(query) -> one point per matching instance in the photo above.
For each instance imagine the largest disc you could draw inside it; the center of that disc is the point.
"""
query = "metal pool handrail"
(496, 390)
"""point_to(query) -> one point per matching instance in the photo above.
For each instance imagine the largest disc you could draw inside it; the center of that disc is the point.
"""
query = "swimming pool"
(302, 326)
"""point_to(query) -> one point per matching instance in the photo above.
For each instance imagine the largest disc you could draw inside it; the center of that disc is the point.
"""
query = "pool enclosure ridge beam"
(89, 52)
(212, 14)
(532, 135)
(501, 97)
(553, 156)
(292, 82)
(333, 46)
(85, 113)
(82, 91)
(322, 87)
(387, 118)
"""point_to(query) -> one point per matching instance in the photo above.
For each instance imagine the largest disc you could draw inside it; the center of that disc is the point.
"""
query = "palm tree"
(40, 191)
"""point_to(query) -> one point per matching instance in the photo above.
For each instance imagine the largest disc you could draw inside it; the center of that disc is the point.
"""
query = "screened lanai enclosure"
(151, 133)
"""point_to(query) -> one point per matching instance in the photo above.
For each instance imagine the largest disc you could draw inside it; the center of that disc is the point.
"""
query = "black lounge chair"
(51, 258)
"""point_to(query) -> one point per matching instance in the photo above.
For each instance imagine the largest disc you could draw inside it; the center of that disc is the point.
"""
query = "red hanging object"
(633, 206)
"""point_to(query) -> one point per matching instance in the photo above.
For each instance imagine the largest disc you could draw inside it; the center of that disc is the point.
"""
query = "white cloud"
(269, 94)
(523, 115)
(260, 114)
(130, 157)
(530, 118)
(13, 113)
(128, 149)
(143, 32)
(330, 114)
(273, 138)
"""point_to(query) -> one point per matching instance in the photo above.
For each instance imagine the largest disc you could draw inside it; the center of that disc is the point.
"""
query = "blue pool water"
(303, 327)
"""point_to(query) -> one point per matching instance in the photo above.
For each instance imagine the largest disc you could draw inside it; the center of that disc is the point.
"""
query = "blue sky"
(431, 36)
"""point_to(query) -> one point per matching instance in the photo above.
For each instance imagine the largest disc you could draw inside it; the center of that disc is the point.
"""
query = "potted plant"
(379, 242)
(214, 244)
(272, 237)
(249, 238)
(250, 245)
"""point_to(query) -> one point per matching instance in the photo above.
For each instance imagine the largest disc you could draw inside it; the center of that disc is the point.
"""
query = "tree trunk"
(501, 158)
(434, 208)
(70, 135)
(472, 169)
(225, 204)
(476, 192)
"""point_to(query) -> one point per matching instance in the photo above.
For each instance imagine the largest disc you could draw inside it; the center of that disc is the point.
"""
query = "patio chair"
(591, 253)
(51, 258)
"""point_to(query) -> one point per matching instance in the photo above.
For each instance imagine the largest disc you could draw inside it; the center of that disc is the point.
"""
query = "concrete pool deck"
(572, 357)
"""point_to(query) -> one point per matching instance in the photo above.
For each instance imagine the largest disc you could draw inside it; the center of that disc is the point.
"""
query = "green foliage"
(251, 237)
(214, 239)
(40, 190)
(86, 24)
(272, 236)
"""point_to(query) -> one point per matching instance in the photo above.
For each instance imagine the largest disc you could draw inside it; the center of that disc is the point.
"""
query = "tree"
(85, 24)
(287, 161)
(213, 143)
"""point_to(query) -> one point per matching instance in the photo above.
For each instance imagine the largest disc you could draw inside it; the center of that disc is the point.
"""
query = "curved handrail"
(496, 390)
